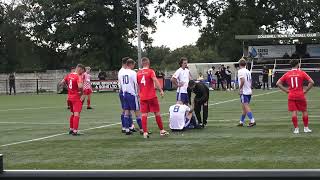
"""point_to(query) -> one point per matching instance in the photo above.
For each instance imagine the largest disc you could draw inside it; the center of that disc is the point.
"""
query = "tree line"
(37, 35)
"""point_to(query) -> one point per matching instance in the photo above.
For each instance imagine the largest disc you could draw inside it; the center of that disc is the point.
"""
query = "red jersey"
(294, 79)
(146, 85)
(72, 81)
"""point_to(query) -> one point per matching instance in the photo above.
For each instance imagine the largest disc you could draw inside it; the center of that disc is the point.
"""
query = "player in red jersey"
(296, 94)
(87, 89)
(74, 82)
(148, 99)
(72, 70)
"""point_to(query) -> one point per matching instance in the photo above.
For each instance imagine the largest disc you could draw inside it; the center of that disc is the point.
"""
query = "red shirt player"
(74, 83)
(296, 94)
(87, 89)
(147, 80)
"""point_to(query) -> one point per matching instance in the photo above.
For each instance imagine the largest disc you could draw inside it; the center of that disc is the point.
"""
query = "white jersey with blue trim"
(182, 76)
(178, 116)
(129, 82)
(120, 74)
(246, 75)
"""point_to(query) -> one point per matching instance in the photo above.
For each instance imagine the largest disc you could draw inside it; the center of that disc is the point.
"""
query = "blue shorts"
(121, 99)
(130, 102)
(245, 99)
(183, 97)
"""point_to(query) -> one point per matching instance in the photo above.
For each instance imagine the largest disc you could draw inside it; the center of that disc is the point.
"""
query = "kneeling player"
(181, 117)
(296, 94)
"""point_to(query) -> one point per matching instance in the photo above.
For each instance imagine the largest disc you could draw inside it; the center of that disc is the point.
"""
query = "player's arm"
(310, 83)
(174, 79)
(158, 86)
(241, 85)
(280, 85)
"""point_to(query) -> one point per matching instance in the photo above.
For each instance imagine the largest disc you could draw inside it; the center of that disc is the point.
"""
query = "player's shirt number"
(70, 84)
(294, 82)
(143, 81)
(176, 109)
(125, 79)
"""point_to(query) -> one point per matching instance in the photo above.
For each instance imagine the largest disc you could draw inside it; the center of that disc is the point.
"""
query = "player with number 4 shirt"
(296, 94)
(147, 81)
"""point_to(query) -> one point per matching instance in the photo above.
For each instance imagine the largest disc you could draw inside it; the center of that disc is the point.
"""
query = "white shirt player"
(120, 74)
(182, 76)
(178, 114)
(129, 82)
(246, 75)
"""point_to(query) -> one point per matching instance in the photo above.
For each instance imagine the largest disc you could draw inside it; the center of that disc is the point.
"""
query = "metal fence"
(30, 86)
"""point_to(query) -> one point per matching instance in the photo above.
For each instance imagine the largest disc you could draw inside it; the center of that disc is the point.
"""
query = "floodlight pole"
(139, 33)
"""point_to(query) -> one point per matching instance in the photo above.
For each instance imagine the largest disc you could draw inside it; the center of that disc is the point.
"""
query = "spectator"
(265, 73)
(200, 78)
(220, 79)
(286, 56)
(102, 75)
(12, 83)
(228, 78)
(210, 76)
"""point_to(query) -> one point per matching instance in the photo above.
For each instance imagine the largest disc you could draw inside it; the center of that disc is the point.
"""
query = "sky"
(170, 31)
(173, 34)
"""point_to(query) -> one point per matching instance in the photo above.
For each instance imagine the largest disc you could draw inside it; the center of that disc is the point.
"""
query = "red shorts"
(87, 91)
(150, 105)
(297, 105)
(75, 105)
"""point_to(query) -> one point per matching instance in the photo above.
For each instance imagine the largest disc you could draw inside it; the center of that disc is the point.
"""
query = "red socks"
(76, 122)
(305, 121)
(295, 121)
(159, 122)
(71, 121)
(144, 120)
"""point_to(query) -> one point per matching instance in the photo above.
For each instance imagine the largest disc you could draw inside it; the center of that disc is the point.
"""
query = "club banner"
(112, 85)
(313, 50)
(104, 85)
(277, 51)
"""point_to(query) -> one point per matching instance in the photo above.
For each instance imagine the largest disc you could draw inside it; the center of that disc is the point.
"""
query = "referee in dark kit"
(200, 100)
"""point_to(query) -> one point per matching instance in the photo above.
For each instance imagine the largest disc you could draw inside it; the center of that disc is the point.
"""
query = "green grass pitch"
(33, 136)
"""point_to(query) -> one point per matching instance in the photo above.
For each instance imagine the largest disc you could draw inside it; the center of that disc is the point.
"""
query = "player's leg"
(305, 116)
(197, 111)
(127, 112)
(243, 116)
(122, 113)
(144, 117)
(77, 107)
(71, 117)
(89, 99)
(155, 108)
(247, 99)
(292, 107)
(205, 108)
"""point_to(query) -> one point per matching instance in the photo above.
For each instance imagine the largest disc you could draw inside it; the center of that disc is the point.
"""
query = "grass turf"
(271, 144)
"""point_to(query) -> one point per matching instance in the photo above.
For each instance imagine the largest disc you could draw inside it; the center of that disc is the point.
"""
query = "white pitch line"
(104, 126)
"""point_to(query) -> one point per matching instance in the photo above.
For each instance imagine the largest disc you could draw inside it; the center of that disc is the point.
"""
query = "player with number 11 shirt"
(296, 94)
(147, 81)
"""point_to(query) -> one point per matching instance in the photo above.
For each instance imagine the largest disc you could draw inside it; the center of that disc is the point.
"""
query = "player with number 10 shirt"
(147, 81)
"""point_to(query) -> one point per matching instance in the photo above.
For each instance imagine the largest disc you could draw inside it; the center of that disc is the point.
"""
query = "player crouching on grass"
(74, 83)
(296, 94)
(181, 117)
(87, 89)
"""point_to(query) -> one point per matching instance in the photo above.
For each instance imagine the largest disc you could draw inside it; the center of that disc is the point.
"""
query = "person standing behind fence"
(265, 73)
(87, 89)
(228, 78)
(12, 83)
(219, 78)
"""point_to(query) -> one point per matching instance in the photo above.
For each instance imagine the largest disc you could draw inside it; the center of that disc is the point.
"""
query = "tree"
(96, 33)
